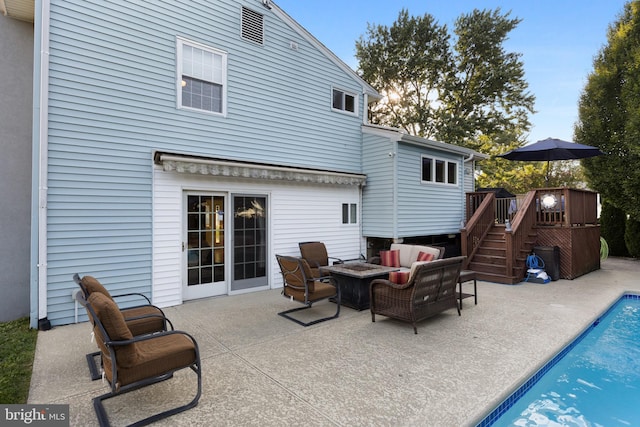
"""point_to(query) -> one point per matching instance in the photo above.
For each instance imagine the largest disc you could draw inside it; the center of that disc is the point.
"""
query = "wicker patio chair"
(131, 363)
(141, 319)
(315, 253)
(300, 285)
(431, 289)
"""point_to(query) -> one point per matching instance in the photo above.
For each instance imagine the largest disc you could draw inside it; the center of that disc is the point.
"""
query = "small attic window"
(252, 26)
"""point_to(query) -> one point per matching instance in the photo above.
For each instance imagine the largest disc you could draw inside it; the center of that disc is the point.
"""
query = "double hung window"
(202, 77)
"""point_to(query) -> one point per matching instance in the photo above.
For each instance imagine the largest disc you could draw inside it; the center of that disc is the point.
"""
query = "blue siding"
(426, 208)
(377, 196)
(112, 102)
(396, 204)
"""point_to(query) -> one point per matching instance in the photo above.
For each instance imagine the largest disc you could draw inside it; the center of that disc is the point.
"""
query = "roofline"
(366, 87)
(401, 136)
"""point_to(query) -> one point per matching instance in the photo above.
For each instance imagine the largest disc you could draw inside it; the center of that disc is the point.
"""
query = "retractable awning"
(183, 163)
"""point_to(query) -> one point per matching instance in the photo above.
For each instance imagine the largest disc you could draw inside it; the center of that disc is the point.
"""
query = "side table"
(467, 276)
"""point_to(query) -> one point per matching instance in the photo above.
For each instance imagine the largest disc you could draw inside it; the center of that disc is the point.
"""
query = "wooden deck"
(500, 233)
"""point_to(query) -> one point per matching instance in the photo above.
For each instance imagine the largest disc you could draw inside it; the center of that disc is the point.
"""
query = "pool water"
(595, 381)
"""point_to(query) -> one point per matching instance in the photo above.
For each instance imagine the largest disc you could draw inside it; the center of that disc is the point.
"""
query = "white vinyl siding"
(291, 222)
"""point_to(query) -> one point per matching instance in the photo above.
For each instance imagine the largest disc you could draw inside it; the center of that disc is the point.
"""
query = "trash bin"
(551, 257)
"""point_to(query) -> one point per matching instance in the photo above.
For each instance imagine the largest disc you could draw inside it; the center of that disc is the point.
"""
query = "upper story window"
(439, 171)
(344, 101)
(202, 77)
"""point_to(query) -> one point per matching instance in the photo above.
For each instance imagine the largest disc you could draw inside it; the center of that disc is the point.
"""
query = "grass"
(17, 349)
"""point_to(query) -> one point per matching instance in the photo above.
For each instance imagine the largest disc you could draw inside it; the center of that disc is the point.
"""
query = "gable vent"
(252, 26)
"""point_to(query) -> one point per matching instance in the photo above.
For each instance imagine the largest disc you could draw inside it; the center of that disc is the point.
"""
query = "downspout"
(464, 198)
(40, 166)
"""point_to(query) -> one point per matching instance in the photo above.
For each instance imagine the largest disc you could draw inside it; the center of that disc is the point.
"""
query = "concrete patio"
(260, 369)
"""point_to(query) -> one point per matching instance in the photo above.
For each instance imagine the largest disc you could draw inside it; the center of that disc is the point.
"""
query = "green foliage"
(462, 91)
(17, 349)
(612, 228)
(609, 115)
(408, 63)
(632, 237)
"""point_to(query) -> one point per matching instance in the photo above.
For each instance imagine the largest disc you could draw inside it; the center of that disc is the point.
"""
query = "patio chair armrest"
(337, 260)
(132, 295)
(154, 335)
(151, 316)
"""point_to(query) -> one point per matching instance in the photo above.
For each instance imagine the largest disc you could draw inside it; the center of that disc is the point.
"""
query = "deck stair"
(489, 261)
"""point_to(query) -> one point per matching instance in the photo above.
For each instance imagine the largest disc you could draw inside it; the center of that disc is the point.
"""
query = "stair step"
(499, 260)
(482, 267)
(497, 278)
(493, 251)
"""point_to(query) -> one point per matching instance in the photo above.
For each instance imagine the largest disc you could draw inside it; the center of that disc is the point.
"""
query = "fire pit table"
(354, 279)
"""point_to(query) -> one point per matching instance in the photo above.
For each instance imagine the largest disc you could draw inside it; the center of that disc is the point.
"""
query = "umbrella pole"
(546, 178)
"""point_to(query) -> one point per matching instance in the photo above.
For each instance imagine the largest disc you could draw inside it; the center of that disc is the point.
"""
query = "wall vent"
(252, 25)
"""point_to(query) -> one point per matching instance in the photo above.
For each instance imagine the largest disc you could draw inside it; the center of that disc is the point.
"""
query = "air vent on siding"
(252, 26)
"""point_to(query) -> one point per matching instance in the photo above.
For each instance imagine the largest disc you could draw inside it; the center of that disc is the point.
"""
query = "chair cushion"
(164, 353)
(424, 256)
(390, 258)
(399, 277)
(320, 291)
(315, 253)
(153, 322)
(114, 324)
(91, 285)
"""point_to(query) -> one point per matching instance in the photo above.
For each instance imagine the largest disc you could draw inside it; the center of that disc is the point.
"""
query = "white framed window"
(201, 77)
(349, 213)
(344, 101)
(439, 170)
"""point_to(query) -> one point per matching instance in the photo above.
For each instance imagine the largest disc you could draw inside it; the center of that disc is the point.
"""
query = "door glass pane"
(249, 240)
(205, 239)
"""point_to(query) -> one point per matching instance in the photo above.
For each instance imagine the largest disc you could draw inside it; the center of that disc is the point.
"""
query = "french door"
(249, 242)
(204, 245)
(224, 253)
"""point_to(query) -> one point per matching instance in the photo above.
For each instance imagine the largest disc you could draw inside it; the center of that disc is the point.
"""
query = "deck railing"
(481, 217)
(564, 207)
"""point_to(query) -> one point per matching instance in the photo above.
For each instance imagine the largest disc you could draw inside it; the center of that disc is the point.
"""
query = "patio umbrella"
(551, 149)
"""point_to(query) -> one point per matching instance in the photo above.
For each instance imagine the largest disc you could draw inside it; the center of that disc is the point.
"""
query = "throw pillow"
(390, 258)
(425, 256)
(399, 277)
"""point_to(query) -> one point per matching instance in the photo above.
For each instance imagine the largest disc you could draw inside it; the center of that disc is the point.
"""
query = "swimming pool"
(594, 381)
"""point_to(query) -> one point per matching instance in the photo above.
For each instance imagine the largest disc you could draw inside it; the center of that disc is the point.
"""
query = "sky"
(557, 39)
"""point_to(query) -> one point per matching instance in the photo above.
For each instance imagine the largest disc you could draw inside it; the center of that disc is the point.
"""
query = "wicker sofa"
(409, 254)
(430, 290)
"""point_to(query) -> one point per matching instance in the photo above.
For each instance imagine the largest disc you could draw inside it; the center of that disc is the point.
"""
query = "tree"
(408, 63)
(464, 93)
(613, 223)
(609, 115)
